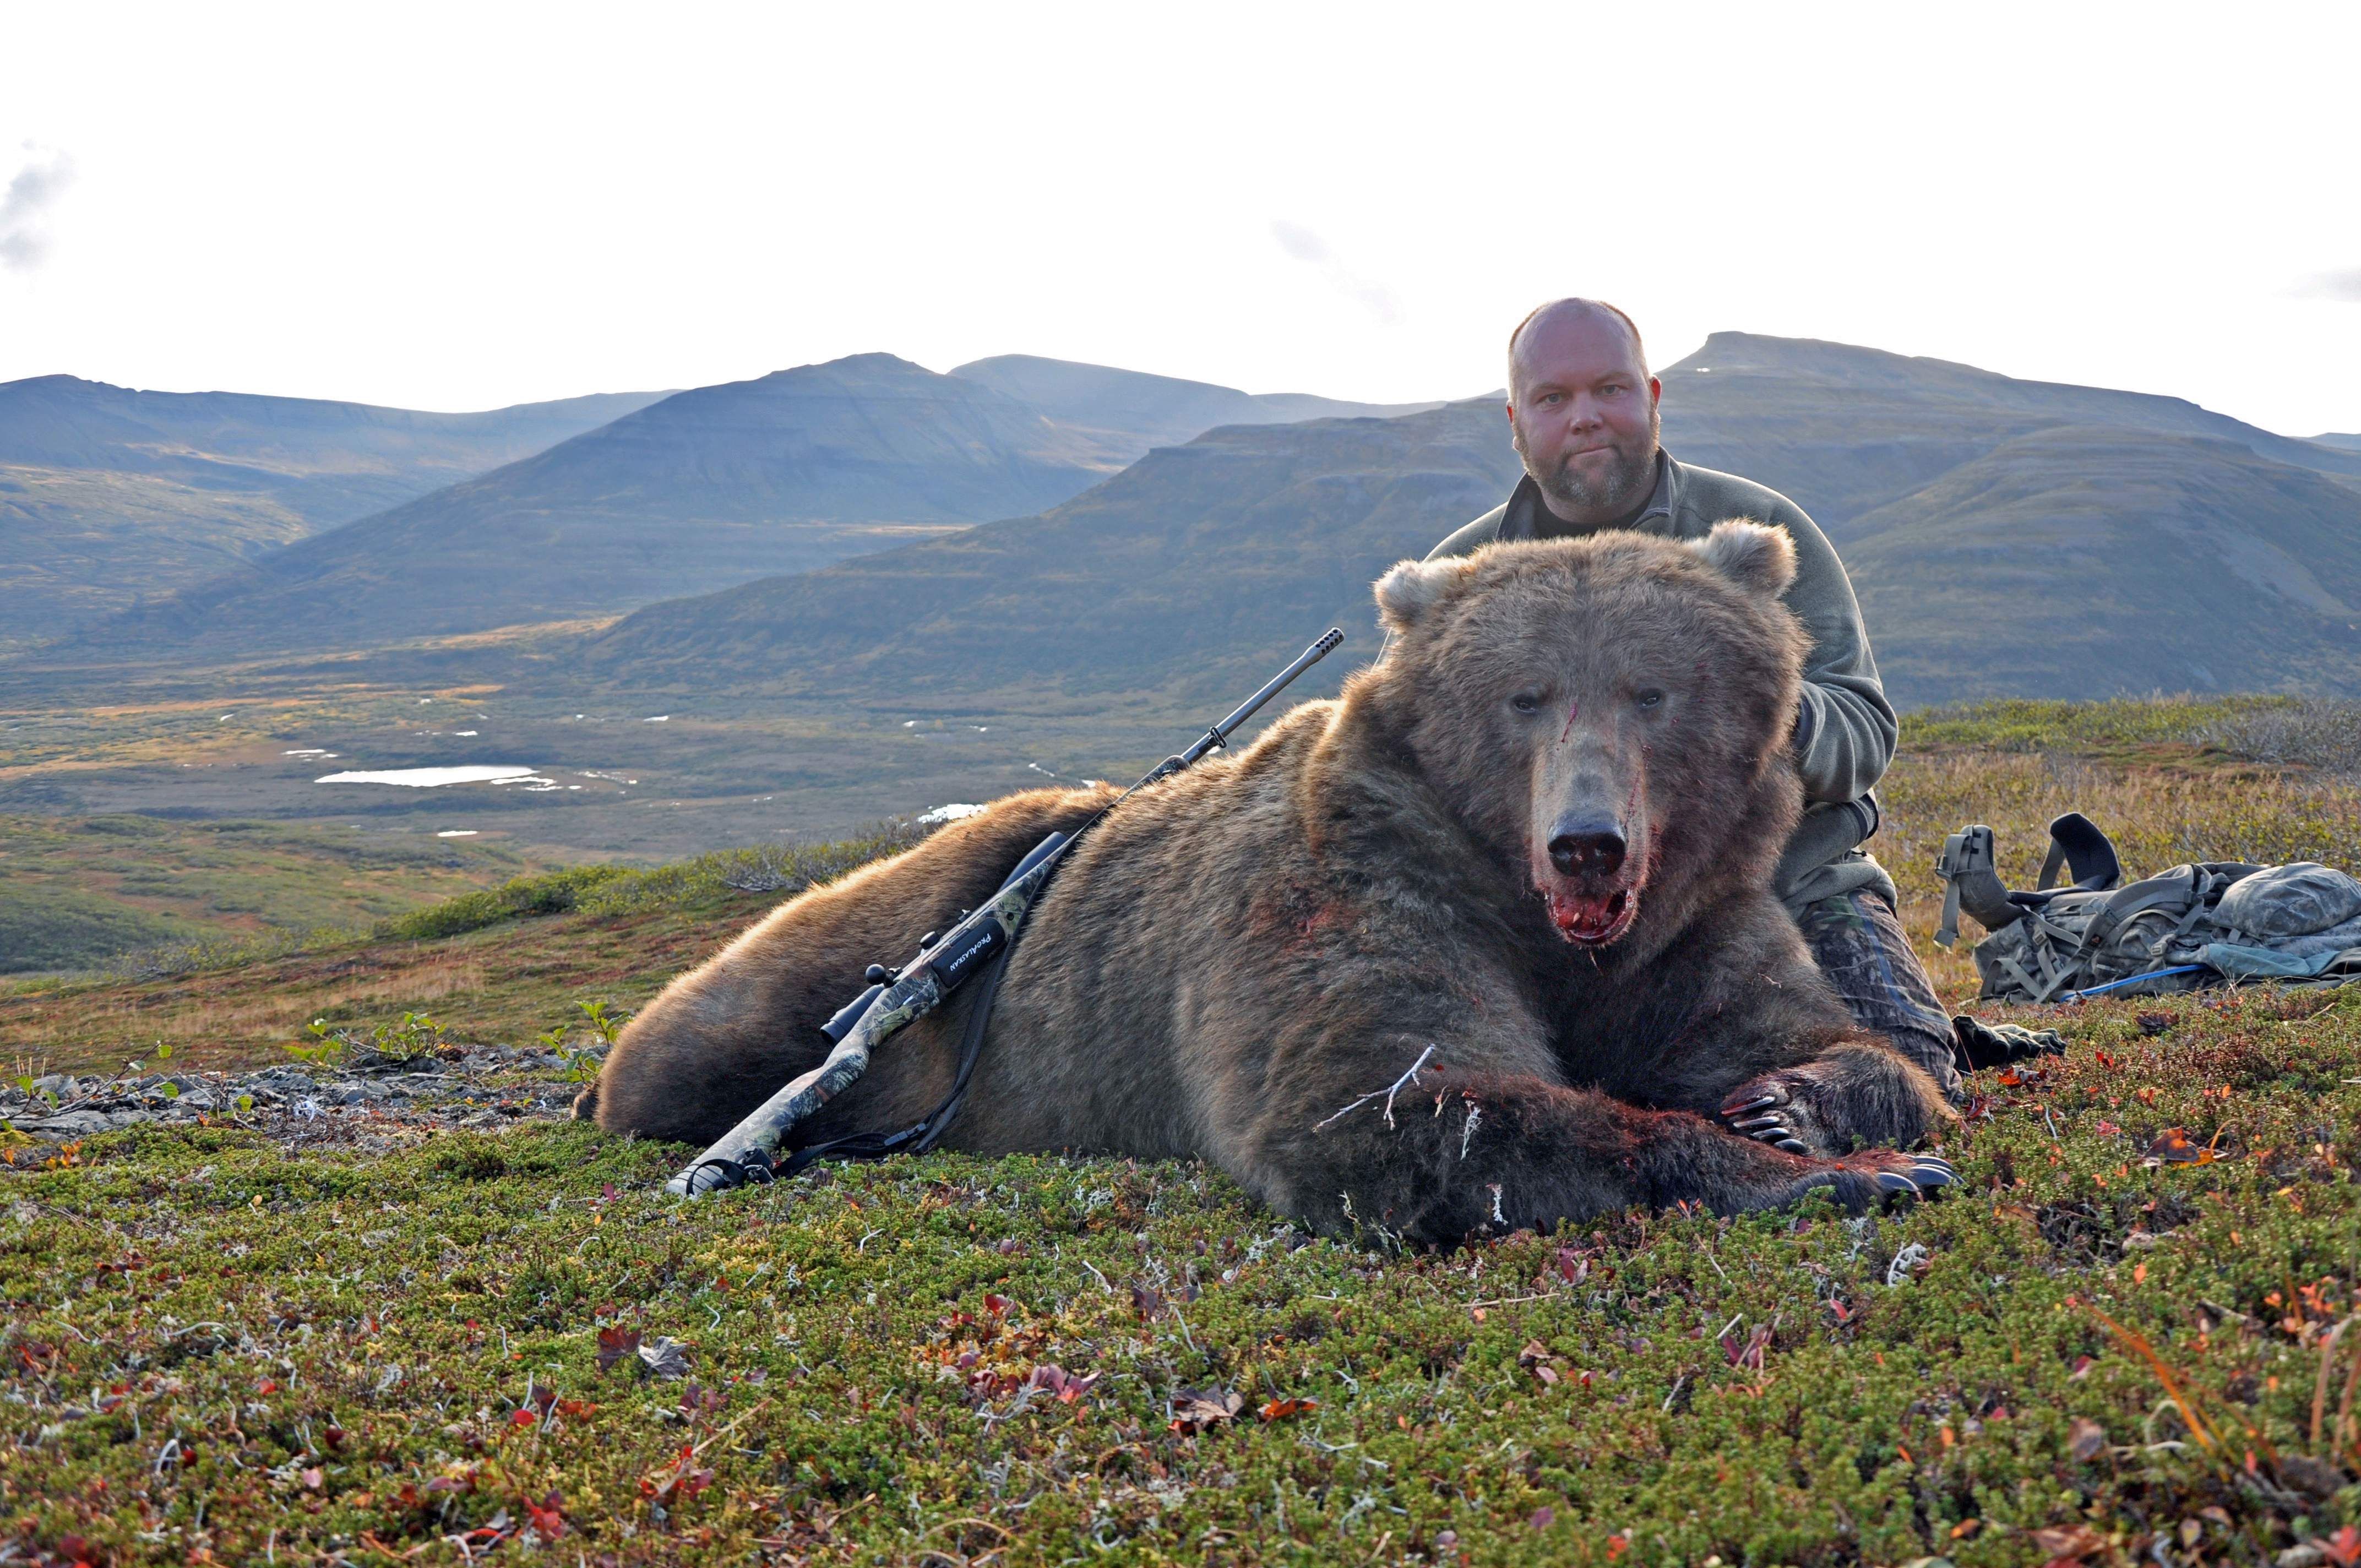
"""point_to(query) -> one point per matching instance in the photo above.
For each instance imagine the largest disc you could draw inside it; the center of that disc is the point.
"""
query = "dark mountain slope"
(107, 494)
(1968, 505)
(2081, 562)
(1843, 429)
(1189, 567)
(706, 488)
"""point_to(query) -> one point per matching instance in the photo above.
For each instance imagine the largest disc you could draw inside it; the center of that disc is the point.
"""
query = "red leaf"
(614, 1344)
(1280, 1409)
(999, 1306)
(547, 1516)
(1544, 1516)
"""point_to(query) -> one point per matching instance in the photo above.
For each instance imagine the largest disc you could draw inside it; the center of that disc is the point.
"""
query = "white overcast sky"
(462, 206)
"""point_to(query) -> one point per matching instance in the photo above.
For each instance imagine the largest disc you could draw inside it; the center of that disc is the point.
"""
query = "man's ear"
(1412, 588)
(1754, 556)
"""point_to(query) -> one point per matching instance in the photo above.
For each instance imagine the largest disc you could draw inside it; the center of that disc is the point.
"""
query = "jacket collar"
(1526, 509)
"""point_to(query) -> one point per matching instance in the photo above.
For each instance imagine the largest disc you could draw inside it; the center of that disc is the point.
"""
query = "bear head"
(1611, 713)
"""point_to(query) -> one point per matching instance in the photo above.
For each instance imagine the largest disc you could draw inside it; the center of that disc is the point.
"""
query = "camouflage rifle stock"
(893, 1004)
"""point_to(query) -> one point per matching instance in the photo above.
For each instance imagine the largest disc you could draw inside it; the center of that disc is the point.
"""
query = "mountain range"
(2005, 537)
(698, 491)
(107, 493)
(827, 534)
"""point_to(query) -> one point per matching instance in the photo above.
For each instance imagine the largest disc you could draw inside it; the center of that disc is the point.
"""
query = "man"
(1583, 413)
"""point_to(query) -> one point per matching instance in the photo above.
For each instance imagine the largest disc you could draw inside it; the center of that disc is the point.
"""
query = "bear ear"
(1411, 588)
(1755, 555)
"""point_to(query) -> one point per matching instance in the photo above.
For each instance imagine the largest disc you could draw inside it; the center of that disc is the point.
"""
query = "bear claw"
(1767, 1095)
(1930, 1171)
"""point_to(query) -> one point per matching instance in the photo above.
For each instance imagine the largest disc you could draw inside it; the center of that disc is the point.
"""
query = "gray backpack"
(2163, 934)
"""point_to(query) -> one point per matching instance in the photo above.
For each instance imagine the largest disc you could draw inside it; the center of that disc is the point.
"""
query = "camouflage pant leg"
(1860, 948)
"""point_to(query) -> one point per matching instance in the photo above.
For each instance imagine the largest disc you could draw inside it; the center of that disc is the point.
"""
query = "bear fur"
(1538, 837)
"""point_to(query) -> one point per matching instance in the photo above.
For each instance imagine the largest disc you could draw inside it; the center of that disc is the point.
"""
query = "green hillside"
(1183, 573)
(2081, 562)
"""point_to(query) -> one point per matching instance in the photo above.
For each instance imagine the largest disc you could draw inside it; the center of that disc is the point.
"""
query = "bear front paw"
(1766, 1111)
(1864, 1181)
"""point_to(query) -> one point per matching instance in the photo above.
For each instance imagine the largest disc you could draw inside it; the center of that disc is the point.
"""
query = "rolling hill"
(703, 489)
(2088, 563)
(2009, 537)
(1199, 559)
(107, 494)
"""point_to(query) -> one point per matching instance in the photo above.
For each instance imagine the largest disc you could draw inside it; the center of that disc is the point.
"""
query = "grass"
(198, 1321)
(2105, 1348)
(76, 892)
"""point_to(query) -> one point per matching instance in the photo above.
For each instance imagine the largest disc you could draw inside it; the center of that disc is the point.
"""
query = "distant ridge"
(107, 493)
(1133, 412)
(2008, 537)
(705, 488)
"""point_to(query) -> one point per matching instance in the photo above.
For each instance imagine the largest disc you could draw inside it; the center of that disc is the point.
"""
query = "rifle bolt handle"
(927, 940)
(875, 974)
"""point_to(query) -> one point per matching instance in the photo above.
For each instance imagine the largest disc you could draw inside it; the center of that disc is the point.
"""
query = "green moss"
(231, 1340)
(2023, 724)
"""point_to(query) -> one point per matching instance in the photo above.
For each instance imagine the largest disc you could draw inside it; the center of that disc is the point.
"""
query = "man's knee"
(1861, 947)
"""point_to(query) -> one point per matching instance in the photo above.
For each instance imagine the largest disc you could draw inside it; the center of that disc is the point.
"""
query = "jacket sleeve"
(1846, 732)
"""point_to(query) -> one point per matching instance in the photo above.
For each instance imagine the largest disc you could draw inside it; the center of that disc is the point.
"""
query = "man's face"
(1583, 410)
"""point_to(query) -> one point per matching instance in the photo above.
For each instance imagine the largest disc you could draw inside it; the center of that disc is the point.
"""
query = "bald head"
(1547, 327)
(1582, 408)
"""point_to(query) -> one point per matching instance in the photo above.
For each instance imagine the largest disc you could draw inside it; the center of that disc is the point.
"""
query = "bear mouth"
(1593, 920)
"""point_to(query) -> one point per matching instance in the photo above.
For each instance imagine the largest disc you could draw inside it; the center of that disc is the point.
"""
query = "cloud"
(1305, 245)
(24, 237)
(1300, 242)
(2345, 286)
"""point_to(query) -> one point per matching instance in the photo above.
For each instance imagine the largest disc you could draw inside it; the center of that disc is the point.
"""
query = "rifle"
(979, 944)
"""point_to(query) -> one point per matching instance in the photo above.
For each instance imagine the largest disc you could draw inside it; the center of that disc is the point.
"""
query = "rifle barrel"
(1219, 735)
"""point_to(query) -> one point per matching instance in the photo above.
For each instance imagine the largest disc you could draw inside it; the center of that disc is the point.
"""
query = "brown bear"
(1532, 845)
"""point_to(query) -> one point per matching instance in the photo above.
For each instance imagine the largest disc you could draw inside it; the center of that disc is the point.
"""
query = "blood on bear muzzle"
(1583, 881)
(1592, 920)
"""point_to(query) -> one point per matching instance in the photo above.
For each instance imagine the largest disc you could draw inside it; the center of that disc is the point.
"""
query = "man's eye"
(1525, 702)
(1650, 699)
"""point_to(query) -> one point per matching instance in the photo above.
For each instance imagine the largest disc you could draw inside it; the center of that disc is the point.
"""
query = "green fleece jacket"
(1846, 729)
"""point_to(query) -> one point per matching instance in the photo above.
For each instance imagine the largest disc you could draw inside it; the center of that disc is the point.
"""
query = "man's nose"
(1587, 843)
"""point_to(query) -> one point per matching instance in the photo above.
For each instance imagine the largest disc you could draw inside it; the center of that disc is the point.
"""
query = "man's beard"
(1627, 482)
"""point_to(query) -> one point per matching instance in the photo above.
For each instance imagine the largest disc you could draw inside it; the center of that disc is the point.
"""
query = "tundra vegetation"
(2124, 1340)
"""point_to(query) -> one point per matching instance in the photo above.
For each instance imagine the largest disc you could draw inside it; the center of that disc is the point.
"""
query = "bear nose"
(1591, 845)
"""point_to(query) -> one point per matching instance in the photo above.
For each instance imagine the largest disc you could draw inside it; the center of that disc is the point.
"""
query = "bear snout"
(1586, 844)
(1588, 876)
